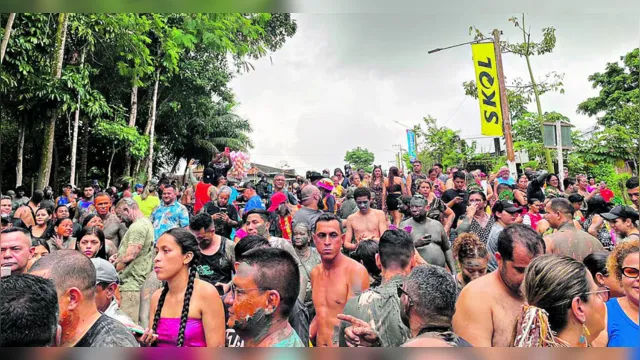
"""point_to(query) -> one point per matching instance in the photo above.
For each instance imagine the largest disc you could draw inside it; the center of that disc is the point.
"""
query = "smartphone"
(196, 162)
(220, 289)
(136, 330)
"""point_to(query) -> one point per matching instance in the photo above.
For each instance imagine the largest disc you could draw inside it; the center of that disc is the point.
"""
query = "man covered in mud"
(366, 223)
(114, 229)
(262, 297)
(334, 281)
(429, 236)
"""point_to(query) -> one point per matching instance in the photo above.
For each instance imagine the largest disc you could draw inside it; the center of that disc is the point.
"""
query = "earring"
(583, 337)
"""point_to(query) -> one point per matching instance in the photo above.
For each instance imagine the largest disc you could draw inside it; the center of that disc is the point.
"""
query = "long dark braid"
(156, 317)
(188, 243)
(185, 306)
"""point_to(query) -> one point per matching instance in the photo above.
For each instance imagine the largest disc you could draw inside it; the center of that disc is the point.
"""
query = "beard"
(205, 243)
(514, 288)
(419, 217)
(404, 316)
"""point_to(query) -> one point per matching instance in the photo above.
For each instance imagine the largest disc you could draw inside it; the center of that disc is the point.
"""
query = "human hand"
(359, 333)
(147, 338)
(113, 258)
(471, 210)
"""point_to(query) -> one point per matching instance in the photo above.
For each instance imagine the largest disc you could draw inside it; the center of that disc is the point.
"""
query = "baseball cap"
(105, 272)
(621, 211)
(277, 199)
(509, 207)
(246, 185)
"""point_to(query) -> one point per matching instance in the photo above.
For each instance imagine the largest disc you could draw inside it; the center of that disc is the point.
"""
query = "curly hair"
(619, 253)
(469, 246)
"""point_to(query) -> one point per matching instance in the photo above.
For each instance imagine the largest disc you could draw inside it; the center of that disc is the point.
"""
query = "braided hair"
(187, 243)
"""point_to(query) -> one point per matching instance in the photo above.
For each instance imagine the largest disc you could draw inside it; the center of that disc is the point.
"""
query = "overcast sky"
(343, 79)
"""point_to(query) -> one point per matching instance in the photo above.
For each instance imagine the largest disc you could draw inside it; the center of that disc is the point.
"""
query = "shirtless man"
(333, 281)
(114, 230)
(429, 236)
(365, 224)
(487, 307)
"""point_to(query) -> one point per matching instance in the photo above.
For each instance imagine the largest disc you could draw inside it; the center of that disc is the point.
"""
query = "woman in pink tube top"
(186, 311)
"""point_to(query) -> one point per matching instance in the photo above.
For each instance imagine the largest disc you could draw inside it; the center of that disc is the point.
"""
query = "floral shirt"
(167, 217)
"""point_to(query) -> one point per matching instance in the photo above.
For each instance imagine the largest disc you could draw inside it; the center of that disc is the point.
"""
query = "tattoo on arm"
(132, 253)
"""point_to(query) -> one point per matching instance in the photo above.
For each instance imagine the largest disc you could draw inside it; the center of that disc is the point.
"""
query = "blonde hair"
(551, 282)
(617, 256)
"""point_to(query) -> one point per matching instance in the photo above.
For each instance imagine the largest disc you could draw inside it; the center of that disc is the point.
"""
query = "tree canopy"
(120, 72)
(360, 158)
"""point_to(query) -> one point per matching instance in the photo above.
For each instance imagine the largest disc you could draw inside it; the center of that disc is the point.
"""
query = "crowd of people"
(432, 258)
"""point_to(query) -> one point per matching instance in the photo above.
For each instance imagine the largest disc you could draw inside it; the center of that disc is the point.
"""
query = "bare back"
(486, 312)
(331, 290)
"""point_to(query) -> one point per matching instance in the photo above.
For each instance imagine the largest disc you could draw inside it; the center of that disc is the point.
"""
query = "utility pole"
(506, 119)
(559, 148)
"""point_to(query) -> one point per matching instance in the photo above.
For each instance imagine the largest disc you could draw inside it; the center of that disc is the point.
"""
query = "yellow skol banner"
(484, 62)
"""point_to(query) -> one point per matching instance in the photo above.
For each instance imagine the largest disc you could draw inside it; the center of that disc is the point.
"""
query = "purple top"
(168, 333)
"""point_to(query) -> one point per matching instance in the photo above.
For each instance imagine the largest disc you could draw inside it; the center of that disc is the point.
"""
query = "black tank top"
(216, 268)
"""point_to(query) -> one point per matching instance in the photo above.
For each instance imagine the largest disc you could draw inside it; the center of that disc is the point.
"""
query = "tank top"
(202, 196)
(622, 331)
(168, 333)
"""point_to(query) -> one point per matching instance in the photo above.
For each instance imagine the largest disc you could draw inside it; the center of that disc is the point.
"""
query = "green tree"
(441, 145)
(617, 109)
(360, 158)
(522, 92)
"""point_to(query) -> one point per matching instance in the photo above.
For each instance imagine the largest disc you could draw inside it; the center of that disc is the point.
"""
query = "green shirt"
(379, 307)
(132, 276)
(292, 340)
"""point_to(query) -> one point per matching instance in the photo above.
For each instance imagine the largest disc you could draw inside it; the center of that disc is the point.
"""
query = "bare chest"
(504, 313)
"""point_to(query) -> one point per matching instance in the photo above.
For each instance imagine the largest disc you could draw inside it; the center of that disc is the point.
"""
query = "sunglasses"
(402, 291)
(630, 272)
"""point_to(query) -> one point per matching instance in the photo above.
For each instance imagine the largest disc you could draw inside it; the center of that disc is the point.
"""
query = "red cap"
(277, 199)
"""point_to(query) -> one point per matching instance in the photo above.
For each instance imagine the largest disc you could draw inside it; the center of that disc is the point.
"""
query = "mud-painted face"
(473, 268)
(65, 228)
(103, 204)
(257, 226)
(363, 204)
(250, 312)
(301, 236)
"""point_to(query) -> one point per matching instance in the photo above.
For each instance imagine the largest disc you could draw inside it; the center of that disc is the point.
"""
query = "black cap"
(246, 185)
(621, 211)
(509, 207)
(314, 175)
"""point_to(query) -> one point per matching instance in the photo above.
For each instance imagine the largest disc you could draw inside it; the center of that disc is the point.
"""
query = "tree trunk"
(85, 153)
(7, 34)
(56, 167)
(20, 152)
(152, 124)
(113, 153)
(74, 143)
(175, 165)
(132, 122)
(50, 128)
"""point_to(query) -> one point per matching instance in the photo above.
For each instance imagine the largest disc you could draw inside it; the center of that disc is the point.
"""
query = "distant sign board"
(550, 138)
(411, 145)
